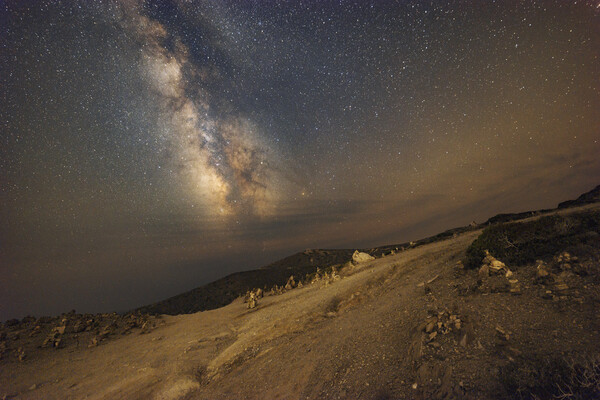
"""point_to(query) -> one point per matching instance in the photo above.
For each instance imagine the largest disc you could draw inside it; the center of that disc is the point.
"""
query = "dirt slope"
(367, 335)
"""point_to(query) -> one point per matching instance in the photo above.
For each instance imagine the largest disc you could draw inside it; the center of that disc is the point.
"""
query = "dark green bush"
(522, 243)
(539, 377)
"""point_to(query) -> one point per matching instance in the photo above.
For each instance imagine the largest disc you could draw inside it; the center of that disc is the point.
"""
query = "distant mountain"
(223, 291)
(592, 196)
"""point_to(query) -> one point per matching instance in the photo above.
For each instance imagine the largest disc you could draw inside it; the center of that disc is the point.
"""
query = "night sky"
(147, 148)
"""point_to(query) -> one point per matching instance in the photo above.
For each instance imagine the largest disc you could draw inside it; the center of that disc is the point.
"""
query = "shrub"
(522, 243)
(537, 377)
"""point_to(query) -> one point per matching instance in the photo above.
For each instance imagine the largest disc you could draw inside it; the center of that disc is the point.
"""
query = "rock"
(252, 301)
(565, 266)
(502, 334)
(432, 335)
(563, 257)
(37, 329)
(21, 354)
(60, 329)
(291, 283)
(484, 271)
(430, 326)
(78, 327)
(360, 257)
(561, 287)
(541, 270)
(509, 273)
(497, 265)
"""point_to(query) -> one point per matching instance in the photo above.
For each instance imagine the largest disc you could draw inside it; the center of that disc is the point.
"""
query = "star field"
(148, 147)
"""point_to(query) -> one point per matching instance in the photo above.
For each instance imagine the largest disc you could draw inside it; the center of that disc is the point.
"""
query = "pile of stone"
(566, 266)
(55, 338)
(494, 267)
(291, 283)
(331, 277)
(441, 324)
(252, 296)
(317, 277)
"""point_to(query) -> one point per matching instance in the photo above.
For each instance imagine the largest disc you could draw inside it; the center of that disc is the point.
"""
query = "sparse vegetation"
(521, 243)
(538, 377)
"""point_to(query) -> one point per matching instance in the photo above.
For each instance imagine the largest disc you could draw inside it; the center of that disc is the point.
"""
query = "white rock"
(359, 257)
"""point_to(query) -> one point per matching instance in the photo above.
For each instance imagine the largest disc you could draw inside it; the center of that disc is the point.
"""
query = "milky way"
(152, 146)
(221, 159)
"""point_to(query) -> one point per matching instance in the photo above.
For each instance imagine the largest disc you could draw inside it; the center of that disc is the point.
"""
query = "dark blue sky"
(149, 147)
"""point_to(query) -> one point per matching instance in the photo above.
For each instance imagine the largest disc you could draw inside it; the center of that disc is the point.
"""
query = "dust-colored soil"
(360, 337)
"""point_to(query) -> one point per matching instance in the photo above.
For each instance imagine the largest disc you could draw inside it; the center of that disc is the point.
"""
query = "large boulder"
(360, 257)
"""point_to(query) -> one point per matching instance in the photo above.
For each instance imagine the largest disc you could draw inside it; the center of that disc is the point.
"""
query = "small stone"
(542, 271)
(415, 385)
(484, 271)
(509, 273)
(432, 335)
(429, 327)
(435, 345)
(497, 265)
(60, 329)
(501, 333)
(561, 287)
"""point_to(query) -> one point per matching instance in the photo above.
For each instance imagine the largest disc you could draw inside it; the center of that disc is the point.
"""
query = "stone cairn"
(566, 266)
(492, 266)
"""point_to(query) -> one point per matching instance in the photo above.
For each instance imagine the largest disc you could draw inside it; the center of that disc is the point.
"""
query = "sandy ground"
(359, 337)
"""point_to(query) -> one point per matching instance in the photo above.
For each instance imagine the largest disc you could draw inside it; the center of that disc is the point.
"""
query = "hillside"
(590, 197)
(225, 290)
(300, 265)
(416, 324)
